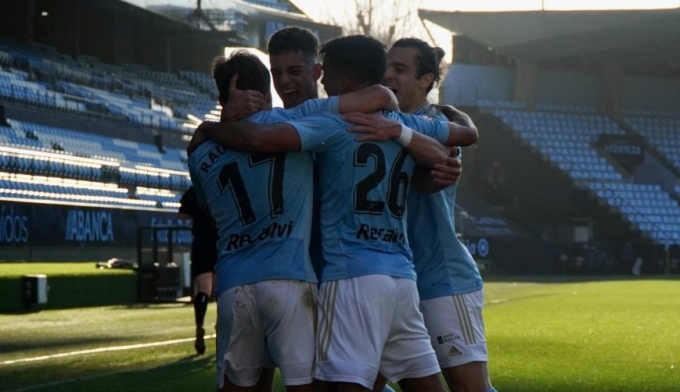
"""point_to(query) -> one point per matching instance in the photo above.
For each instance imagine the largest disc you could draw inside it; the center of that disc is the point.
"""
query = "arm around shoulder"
(460, 135)
(368, 100)
(462, 131)
(247, 136)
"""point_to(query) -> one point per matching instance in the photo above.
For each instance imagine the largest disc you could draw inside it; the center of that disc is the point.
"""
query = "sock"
(200, 307)
(388, 389)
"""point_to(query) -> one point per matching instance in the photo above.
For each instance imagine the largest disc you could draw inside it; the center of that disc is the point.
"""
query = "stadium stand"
(660, 129)
(578, 139)
(93, 116)
(87, 86)
(571, 140)
(145, 174)
(566, 140)
(43, 166)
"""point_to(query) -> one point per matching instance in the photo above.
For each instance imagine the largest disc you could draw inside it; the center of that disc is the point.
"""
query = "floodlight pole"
(198, 15)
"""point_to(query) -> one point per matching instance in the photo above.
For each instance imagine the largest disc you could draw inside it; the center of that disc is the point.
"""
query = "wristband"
(406, 134)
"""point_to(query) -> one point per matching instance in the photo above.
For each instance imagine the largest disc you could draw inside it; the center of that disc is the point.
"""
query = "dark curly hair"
(428, 59)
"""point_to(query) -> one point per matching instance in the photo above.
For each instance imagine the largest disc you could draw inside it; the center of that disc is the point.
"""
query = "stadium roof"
(284, 9)
(629, 37)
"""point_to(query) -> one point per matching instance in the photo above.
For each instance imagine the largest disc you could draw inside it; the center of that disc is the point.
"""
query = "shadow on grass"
(560, 279)
(152, 305)
(188, 373)
(71, 344)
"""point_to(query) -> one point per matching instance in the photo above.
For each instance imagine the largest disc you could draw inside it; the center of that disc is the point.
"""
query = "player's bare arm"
(374, 127)
(247, 136)
(455, 115)
(440, 177)
(244, 103)
(241, 103)
(368, 100)
(466, 129)
(196, 139)
(447, 174)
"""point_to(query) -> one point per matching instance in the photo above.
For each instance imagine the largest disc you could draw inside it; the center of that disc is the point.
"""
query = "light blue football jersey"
(443, 264)
(262, 206)
(363, 196)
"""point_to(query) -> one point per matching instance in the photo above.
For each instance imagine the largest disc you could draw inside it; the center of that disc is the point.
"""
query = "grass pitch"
(71, 285)
(544, 334)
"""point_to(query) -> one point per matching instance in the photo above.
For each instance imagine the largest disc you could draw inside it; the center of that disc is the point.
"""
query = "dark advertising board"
(44, 225)
(622, 149)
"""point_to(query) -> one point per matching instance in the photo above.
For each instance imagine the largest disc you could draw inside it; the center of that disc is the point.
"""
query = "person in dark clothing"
(203, 258)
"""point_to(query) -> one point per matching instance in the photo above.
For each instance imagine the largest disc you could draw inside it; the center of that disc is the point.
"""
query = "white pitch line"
(84, 378)
(101, 350)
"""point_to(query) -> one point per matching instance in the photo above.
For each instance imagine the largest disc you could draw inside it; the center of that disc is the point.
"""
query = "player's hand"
(198, 138)
(448, 173)
(241, 103)
(372, 126)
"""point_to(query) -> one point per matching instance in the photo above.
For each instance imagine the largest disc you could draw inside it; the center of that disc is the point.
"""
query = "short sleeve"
(317, 132)
(438, 130)
(314, 106)
(271, 116)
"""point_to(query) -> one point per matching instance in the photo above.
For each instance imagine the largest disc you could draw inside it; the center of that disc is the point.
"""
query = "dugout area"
(160, 275)
(163, 263)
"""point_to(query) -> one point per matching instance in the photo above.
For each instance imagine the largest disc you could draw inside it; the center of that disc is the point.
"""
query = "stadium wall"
(465, 84)
(43, 232)
(562, 87)
(651, 93)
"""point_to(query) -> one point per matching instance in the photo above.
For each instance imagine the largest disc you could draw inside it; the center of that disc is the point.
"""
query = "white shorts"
(266, 324)
(369, 324)
(456, 328)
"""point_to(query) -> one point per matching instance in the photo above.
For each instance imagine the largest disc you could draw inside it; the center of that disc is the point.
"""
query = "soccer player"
(368, 266)
(449, 283)
(293, 59)
(203, 258)
(266, 288)
(293, 55)
(251, 253)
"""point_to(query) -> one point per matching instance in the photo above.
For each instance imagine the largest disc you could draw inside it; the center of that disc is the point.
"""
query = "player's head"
(293, 59)
(413, 67)
(252, 75)
(352, 62)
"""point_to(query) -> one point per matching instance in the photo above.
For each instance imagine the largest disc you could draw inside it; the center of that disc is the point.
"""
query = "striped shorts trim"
(456, 328)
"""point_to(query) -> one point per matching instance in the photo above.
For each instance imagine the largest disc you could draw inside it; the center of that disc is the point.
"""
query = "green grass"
(545, 334)
(70, 285)
(591, 336)
(56, 269)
